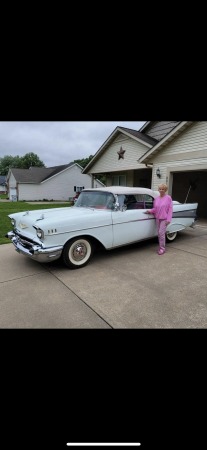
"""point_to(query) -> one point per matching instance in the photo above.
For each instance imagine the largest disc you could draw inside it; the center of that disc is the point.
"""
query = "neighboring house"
(3, 187)
(160, 152)
(52, 183)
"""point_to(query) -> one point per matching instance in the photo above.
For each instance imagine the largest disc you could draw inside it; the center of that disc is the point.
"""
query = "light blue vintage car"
(109, 217)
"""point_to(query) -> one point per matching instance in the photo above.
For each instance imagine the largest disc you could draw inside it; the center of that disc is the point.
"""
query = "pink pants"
(161, 229)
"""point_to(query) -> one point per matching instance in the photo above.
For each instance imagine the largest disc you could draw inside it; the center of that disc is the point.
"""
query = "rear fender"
(174, 227)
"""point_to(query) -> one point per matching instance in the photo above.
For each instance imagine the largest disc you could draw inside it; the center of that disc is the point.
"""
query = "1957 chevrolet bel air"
(110, 217)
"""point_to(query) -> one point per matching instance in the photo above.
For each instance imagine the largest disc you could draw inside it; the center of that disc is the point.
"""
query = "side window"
(110, 201)
(148, 201)
(130, 201)
(121, 199)
(78, 188)
(137, 201)
(144, 201)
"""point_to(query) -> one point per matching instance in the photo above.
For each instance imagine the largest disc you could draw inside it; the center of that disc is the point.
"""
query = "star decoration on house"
(121, 153)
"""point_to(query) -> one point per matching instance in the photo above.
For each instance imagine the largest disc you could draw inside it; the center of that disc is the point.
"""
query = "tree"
(19, 162)
(31, 159)
(9, 161)
(83, 162)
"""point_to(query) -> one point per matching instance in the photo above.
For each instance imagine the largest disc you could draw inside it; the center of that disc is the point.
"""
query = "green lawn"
(12, 207)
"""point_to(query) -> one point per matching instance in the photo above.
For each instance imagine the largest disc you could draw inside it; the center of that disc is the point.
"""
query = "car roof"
(125, 190)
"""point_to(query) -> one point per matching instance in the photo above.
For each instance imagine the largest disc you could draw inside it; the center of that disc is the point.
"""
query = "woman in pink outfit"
(162, 210)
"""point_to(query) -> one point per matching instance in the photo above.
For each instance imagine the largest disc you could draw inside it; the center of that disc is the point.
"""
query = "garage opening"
(190, 187)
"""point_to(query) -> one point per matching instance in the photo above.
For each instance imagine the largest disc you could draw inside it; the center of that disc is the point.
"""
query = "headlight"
(40, 233)
(13, 222)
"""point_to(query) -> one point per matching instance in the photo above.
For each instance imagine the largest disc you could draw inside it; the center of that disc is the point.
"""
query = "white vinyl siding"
(110, 162)
(187, 152)
(12, 187)
(59, 187)
(187, 144)
(12, 181)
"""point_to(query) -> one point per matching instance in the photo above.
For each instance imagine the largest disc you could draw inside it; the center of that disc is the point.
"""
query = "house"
(3, 187)
(169, 152)
(52, 183)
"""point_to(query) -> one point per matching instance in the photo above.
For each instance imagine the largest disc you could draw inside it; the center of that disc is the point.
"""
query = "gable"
(159, 129)
(186, 146)
(106, 157)
(149, 156)
(109, 160)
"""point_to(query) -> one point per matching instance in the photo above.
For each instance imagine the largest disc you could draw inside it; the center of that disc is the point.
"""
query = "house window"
(78, 188)
(119, 180)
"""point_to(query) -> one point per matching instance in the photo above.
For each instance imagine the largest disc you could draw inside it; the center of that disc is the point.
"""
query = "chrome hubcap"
(79, 252)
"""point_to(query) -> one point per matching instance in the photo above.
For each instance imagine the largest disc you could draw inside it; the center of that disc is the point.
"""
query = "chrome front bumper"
(34, 251)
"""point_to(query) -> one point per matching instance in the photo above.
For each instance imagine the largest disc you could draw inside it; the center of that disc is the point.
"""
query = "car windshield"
(95, 199)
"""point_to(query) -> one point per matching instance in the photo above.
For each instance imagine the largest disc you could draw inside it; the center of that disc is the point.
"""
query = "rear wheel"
(171, 236)
(77, 253)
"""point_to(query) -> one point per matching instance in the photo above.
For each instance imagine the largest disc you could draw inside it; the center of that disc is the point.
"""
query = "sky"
(57, 143)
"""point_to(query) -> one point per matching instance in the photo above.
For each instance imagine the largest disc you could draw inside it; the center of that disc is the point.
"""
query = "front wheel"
(171, 236)
(77, 253)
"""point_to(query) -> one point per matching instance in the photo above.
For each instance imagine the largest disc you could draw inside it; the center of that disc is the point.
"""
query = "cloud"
(57, 143)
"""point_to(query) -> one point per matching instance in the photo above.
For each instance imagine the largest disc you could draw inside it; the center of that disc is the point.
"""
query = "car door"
(132, 224)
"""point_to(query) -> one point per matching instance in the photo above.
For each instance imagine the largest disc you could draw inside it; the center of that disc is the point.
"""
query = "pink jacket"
(162, 208)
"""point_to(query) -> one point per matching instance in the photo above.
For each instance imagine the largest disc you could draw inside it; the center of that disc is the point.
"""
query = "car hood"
(55, 217)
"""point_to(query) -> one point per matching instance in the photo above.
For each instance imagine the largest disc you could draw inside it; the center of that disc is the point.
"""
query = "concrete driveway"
(130, 287)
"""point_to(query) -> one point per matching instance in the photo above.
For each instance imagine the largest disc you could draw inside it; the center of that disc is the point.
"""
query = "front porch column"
(92, 180)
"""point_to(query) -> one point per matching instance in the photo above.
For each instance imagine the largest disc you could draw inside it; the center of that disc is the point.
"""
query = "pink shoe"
(161, 251)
